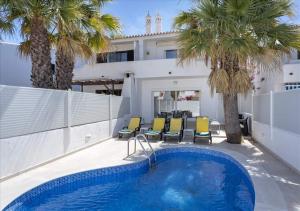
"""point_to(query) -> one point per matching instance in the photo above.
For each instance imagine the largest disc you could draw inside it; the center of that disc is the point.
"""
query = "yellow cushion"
(158, 124)
(175, 124)
(202, 125)
(134, 123)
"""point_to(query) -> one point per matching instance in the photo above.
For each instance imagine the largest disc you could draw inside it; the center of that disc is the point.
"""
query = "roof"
(145, 35)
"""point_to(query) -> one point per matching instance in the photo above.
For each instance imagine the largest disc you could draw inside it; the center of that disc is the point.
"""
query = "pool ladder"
(138, 139)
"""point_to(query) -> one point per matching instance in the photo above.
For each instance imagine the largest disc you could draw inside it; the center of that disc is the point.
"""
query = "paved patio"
(277, 186)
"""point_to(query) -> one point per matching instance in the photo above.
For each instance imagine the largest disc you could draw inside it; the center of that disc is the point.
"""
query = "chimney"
(148, 24)
(158, 23)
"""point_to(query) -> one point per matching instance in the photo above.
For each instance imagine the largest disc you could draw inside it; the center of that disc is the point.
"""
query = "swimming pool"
(183, 178)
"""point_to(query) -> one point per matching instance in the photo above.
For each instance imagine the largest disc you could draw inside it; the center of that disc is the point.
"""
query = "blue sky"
(131, 14)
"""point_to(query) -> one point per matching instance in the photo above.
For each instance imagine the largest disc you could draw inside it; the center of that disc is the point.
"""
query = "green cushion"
(171, 133)
(126, 131)
(202, 134)
(152, 133)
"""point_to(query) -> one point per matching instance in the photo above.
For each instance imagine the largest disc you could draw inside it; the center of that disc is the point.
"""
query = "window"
(298, 54)
(101, 58)
(171, 54)
(118, 56)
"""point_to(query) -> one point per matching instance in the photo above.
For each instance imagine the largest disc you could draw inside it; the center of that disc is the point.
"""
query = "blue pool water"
(181, 179)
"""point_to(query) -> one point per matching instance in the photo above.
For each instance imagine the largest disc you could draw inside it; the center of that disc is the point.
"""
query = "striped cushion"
(202, 134)
(152, 133)
(126, 131)
(171, 134)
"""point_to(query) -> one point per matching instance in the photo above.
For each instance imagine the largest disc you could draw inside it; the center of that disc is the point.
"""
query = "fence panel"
(286, 111)
(261, 108)
(29, 110)
(25, 110)
(120, 106)
(245, 103)
(89, 108)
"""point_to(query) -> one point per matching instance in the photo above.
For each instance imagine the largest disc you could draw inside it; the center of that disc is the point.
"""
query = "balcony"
(142, 69)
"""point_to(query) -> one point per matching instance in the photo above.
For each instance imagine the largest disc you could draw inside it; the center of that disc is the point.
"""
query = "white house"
(15, 69)
(285, 77)
(146, 68)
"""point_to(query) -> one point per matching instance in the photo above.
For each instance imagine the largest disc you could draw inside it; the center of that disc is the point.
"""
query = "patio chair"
(157, 129)
(202, 129)
(133, 126)
(175, 130)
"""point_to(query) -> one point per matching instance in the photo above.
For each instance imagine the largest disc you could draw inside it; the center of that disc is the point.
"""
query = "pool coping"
(268, 196)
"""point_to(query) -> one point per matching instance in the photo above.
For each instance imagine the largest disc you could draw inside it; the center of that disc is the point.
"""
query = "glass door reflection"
(172, 102)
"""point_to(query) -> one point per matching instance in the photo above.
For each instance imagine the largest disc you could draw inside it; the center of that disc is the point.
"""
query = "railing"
(142, 69)
(138, 139)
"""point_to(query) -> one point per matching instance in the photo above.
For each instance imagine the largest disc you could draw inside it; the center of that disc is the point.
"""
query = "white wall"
(14, 69)
(23, 152)
(245, 103)
(279, 131)
(209, 105)
(273, 81)
(39, 125)
(291, 72)
(142, 69)
(155, 49)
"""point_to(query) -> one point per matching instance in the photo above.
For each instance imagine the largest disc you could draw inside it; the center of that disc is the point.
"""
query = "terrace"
(267, 172)
(191, 118)
(79, 135)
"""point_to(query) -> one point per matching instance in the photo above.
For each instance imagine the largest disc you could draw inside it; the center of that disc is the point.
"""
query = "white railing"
(276, 124)
(142, 69)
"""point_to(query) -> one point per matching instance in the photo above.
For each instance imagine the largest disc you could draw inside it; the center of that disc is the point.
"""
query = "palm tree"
(34, 17)
(236, 36)
(74, 27)
(5, 25)
(81, 30)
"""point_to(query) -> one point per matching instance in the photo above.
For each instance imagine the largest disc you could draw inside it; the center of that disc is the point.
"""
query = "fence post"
(110, 115)
(252, 104)
(67, 130)
(69, 108)
(271, 113)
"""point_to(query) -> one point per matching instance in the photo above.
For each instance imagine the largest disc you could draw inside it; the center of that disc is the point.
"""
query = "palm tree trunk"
(64, 70)
(232, 125)
(41, 75)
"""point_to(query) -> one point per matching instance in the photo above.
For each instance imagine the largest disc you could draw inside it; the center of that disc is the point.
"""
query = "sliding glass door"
(176, 101)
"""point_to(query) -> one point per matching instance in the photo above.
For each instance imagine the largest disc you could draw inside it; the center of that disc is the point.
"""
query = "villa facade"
(146, 68)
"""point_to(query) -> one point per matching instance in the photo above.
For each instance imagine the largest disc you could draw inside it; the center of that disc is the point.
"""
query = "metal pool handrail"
(137, 138)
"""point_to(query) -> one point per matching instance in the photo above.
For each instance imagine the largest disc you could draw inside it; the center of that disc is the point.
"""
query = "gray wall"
(14, 69)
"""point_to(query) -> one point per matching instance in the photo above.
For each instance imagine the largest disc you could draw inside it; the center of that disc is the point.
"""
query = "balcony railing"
(142, 69)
